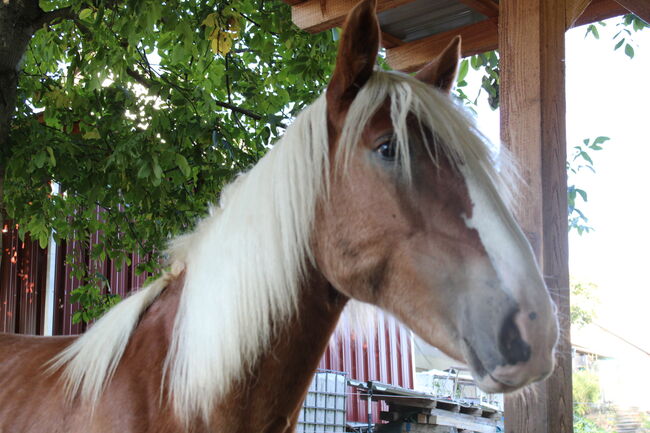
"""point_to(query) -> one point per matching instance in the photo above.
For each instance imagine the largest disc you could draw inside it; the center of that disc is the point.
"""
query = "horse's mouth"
(483, 376)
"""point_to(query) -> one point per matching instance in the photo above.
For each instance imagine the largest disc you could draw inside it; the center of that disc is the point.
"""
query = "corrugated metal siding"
(22, 273)
(384, 355)
(23, 279)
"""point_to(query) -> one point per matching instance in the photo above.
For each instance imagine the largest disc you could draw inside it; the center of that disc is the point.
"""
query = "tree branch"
(49, 17)
(240, 110)
(147, 83)
(139, 77)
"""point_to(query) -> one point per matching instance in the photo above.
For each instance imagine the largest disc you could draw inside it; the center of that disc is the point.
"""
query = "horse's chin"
(492, 381)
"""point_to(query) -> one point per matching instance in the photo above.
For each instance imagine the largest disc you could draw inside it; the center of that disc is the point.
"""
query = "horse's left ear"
(441, 71)
(356, 57)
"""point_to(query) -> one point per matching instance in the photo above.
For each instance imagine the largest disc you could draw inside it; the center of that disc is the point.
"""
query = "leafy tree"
(140, 111)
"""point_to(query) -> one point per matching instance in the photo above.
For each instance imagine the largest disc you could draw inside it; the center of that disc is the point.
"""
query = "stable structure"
(530, 37)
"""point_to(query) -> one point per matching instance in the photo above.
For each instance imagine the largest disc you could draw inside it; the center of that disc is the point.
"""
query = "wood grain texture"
(533, 109)
(640, 8)
(574, 8)
(489, 8)
(315, 16)
(600, 10)
(476, 38)
(390, 41)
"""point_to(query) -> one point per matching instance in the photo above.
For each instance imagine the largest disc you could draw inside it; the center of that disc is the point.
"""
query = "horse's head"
(415, 220)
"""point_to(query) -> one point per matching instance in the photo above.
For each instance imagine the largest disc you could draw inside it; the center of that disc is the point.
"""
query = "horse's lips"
(485, 380)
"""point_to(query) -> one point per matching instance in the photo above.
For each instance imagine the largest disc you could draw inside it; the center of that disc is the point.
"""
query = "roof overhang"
(413, 31)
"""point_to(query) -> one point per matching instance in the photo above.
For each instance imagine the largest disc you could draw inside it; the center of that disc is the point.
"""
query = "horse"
(382, 191)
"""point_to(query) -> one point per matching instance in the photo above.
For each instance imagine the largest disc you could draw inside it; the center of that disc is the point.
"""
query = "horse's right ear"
(356, 57)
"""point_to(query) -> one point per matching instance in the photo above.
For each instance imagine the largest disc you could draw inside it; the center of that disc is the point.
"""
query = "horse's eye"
(387, 150)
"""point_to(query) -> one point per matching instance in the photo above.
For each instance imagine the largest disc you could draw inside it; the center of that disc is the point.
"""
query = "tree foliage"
(629, 25)
(488, 64)
(580, 159)
(140, 111)
(584, 301)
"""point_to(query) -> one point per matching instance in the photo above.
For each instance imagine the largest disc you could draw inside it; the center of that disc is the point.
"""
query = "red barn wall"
(22, 274)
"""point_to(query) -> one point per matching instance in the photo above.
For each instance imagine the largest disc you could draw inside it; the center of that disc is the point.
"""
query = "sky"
(609, 94)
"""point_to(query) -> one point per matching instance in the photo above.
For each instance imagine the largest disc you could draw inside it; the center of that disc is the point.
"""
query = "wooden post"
(533, 108)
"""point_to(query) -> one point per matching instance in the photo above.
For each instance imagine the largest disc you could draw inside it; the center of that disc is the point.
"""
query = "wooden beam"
(640, 8)
(316, 15)
(533, 110)
(489, 8)
(600, 10)
(390, 41)
(574, 8)
(477, 38)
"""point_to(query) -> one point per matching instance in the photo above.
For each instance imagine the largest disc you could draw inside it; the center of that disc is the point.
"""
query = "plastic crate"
(323, 411)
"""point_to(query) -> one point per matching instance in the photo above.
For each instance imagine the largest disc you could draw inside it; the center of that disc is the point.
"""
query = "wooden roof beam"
(489, 8)
(390, 41)
(640, 8)
(477, 38)
(599, 10)
(574, 8)
(316, 15)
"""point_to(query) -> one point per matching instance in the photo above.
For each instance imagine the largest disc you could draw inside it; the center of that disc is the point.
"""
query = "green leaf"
(145, 170)
(39, 159)
(92, 134)
(182, 164)
(85, 14)
(600, 140)
(462, 71)
(76, 317)
(51, 153)
(157, 170)
(629, 51)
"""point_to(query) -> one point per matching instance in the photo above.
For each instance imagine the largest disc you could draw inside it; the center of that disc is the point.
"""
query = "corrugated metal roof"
(423, 18)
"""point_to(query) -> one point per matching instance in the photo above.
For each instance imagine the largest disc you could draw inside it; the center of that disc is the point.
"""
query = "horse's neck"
(135, 389)
(269, 396)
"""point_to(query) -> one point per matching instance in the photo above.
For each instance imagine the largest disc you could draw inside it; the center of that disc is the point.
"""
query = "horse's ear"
(356, 57)
(441, 71)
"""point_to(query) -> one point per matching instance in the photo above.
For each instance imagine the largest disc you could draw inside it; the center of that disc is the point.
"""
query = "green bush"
(586, 390)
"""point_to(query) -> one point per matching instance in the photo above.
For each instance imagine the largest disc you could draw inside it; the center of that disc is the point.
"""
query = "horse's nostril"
(511, 345)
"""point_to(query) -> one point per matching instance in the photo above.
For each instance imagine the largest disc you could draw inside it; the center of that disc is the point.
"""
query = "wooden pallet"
(416, 412)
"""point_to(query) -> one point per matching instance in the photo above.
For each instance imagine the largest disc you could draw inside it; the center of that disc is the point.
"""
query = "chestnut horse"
(383, 192)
